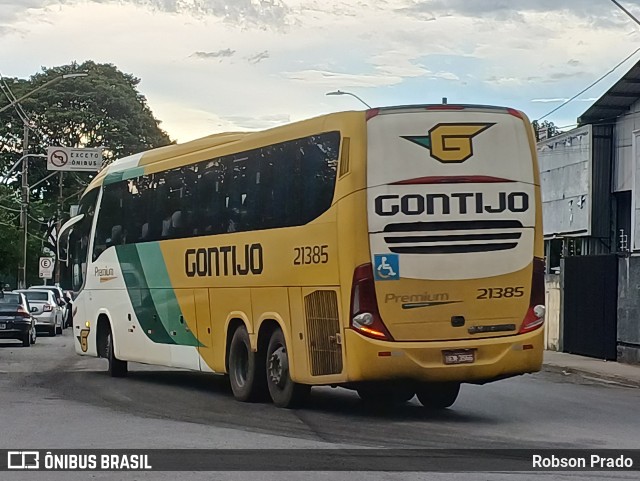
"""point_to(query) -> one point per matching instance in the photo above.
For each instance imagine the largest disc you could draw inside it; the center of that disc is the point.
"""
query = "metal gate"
(590, 300)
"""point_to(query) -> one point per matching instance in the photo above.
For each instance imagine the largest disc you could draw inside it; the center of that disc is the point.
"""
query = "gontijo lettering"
(443, 204)
(224, 261)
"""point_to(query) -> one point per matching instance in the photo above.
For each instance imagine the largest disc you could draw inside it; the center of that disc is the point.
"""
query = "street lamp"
(340, 92)
(22, 278)
(46, 84)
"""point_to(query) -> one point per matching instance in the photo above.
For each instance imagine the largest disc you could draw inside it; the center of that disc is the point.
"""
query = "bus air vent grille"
(323, 333)
(453, 237)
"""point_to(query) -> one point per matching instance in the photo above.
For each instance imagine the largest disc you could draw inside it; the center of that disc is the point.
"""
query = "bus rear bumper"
(495, 358)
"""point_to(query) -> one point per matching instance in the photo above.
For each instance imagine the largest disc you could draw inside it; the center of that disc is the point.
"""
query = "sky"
(209, 66)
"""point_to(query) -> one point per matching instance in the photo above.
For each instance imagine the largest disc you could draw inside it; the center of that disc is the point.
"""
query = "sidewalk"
(588, 367)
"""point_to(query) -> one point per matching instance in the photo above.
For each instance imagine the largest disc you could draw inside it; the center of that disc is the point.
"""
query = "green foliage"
(103, 109)
(552, 130)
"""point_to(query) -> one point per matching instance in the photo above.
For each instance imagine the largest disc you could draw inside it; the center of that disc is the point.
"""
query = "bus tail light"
(365, 317)
(535, 314)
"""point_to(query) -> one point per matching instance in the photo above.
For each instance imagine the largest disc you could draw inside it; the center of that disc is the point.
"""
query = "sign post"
(65, 159)
(45, 267)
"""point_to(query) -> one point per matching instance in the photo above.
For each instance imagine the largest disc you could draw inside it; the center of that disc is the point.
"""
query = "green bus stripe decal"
(112, 178)
(139, 294)
(133, 173)
(161, 294)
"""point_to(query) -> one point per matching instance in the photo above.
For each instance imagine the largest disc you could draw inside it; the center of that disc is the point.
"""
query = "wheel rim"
(278, 367)
(241, 365)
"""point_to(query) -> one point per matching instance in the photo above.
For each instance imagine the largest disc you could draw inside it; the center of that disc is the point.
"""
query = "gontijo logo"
(450, 143)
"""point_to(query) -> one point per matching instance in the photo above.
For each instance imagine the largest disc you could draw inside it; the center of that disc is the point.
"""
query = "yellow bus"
(395, 251)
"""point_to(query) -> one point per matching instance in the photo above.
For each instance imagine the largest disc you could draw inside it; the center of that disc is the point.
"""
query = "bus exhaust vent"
(344, 157)
(323, 333)
(454, 237)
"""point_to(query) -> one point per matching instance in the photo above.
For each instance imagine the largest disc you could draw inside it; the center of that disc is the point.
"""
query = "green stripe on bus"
(133, 173)
(163, 295)
(112, 178)
(140, 295)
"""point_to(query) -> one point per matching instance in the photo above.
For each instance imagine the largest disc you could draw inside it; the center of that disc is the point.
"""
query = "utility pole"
(22, 270)
(22, 279)
(58, 225)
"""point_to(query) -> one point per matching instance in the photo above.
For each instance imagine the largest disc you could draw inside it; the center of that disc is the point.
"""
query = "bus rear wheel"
(246, 368)
(117, 368)
(284, 392)
(438, 395)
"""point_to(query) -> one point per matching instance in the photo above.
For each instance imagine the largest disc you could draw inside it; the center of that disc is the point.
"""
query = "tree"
(103, 109)
(550, 127)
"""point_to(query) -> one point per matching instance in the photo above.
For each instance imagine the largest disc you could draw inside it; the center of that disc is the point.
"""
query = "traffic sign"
(72, 159)
(46, 267)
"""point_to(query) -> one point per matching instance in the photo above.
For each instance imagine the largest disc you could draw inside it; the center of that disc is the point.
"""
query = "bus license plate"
(460, 356)
(3, 325)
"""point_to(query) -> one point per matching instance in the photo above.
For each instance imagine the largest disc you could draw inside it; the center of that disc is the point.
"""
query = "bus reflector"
(514, 112)
(384, 354)
(369, 114)
(365, 317)
(535, 314)
(452, 179)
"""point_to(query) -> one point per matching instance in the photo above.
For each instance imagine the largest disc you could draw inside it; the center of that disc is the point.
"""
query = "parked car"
(48, 313)
(16, 321)
(61, 301)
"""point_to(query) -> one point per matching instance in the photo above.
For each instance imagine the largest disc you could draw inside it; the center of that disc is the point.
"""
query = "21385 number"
(311, 255)
(500, 292)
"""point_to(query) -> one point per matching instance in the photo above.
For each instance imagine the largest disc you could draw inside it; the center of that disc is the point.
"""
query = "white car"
(59, 296)
(49, 315)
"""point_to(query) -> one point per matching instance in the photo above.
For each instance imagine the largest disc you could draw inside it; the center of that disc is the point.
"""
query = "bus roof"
(134, 165)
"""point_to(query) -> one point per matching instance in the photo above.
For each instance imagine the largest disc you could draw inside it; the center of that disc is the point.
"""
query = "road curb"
(599, 376)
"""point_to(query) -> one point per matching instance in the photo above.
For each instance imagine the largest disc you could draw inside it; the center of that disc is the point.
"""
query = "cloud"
(259, 57)
(558, 100)
(326, 78)
(260, 122)
(218, 54)
(506, 10)
(263, 13)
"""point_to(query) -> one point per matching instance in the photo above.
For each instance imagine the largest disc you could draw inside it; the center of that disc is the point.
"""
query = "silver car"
(46, 311)
(59, 296)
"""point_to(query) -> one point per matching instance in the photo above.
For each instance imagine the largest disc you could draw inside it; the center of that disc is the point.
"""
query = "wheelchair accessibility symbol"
(386, 267)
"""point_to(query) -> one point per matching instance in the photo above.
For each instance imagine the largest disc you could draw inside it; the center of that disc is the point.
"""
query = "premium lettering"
(224, 261)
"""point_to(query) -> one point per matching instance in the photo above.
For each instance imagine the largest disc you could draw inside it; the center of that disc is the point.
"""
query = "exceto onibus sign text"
(74, 159)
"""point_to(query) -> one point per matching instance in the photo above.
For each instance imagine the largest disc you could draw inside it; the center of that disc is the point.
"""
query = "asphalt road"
(52, 398)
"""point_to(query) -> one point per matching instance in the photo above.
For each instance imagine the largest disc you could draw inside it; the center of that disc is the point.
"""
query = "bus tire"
(245, 369)
(438, 395)
(117, 368)
(284, 392)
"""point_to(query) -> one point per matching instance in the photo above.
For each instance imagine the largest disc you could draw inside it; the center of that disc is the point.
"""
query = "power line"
(594, 83)
(627, 12)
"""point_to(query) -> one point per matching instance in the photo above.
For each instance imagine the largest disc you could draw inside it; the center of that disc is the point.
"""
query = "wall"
(552, 333)
(629, 309)
(565, 177)
(627, 165)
